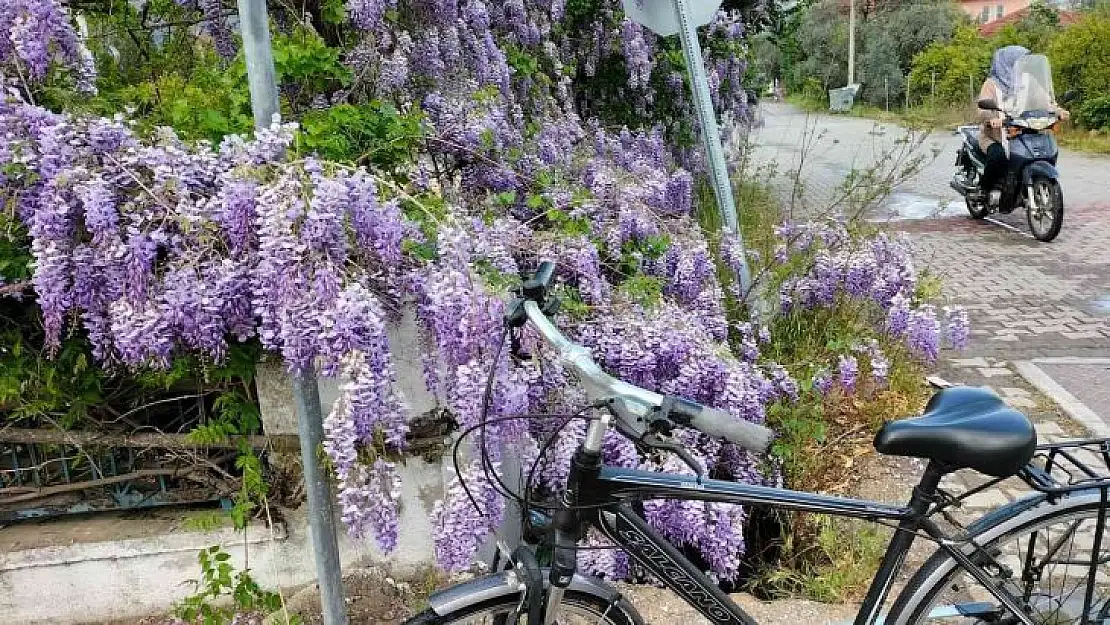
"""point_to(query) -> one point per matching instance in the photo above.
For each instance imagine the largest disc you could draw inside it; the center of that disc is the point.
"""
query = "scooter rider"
(999, 87)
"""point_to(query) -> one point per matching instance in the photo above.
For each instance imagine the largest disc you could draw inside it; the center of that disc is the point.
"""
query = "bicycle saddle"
(964, 427)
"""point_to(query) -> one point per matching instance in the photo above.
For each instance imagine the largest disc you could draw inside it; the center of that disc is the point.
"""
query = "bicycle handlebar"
(600, 385)
(721, 424)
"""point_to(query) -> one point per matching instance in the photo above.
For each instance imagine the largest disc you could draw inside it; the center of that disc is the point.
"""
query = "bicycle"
(1004, 555)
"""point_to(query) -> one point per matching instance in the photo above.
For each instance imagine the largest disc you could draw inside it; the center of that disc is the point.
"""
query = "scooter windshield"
(1032, 94)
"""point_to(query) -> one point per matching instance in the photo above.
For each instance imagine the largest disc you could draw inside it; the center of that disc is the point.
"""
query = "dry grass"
(1080, 140)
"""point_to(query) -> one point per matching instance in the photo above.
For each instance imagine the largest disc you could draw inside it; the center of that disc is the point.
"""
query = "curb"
(1067, 402)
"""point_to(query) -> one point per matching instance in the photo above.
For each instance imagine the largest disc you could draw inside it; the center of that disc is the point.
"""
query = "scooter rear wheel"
(977, 208)
(1046, 216)
(976, 203)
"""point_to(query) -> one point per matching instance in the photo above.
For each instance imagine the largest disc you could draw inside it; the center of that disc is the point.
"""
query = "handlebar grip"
(536, 288)
(720, 424)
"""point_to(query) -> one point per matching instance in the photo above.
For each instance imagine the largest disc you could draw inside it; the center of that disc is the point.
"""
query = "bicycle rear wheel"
(577, 608)
(1046, 552)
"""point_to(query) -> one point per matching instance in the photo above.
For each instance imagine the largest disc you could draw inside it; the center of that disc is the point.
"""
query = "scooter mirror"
(988, 104)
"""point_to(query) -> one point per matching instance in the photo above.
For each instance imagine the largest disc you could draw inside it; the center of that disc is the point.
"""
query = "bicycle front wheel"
(577, 608)
(1046, 553)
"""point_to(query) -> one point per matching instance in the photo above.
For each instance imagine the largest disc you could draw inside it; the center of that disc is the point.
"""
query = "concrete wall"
(275, 391)
(124, 579)
(422, 483)
(128, 579)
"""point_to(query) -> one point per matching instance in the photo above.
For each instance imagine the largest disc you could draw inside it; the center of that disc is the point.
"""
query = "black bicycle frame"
(608, 493)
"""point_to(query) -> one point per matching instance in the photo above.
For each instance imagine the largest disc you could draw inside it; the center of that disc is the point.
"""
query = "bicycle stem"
(595, 434)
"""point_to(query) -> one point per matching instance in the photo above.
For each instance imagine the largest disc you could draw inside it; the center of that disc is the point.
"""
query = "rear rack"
(1059, 468)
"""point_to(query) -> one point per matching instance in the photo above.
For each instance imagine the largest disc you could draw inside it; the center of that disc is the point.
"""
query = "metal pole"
(703, 104)
(255, 28)
(254, 24)
(886, 87)
(852, 42)
(321, 517)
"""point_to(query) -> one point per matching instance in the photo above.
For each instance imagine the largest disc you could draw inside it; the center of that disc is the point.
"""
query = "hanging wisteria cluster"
(36, 33)
(215, 24)
(152, 246)
(485, 71)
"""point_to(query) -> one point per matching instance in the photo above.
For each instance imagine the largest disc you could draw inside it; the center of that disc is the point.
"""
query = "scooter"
(1031, 178)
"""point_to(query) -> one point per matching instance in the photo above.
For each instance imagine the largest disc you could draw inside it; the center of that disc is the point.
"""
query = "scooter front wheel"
(1044, 208)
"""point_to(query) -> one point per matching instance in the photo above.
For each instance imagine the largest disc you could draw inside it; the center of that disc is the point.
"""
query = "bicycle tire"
(599, 610)
(913, 605)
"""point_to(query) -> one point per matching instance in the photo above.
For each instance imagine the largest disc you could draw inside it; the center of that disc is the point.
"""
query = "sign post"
(255, 27)
(682, 17)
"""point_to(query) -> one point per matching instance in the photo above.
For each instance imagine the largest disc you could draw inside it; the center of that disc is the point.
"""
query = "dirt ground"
(373, 598)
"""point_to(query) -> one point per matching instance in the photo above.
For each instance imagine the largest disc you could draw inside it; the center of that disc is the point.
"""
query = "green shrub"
(904, 31)
(822, 37)
(1080, 56)
(880, 74)
(219, 580)
(955, 69)
(1094, 113)
(370, 133)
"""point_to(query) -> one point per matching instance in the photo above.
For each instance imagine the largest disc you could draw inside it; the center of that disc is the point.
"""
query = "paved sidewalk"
(1033, 306)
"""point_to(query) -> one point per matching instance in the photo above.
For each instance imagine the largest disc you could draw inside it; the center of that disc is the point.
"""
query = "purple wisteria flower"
(823, 382)
(880, 368)
(923, 333)
(848, 373)
(957, 327)
(785, 384)
(898, 317)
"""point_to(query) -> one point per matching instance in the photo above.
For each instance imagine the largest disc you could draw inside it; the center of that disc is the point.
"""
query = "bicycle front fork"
(564, 565)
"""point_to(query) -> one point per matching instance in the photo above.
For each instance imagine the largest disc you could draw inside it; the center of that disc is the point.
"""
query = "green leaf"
(644, 290)
(333, 12)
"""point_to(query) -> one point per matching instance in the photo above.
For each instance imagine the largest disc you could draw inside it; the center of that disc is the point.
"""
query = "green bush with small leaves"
(218, 582)
(1094, 113)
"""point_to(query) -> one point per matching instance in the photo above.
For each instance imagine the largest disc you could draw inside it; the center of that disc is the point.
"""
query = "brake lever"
(650, 432)
(655, 441)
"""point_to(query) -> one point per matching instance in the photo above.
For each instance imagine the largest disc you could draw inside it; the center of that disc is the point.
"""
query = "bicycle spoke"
(1061, 578)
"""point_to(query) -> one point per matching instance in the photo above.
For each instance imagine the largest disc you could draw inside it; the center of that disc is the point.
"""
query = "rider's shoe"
(994, 198)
